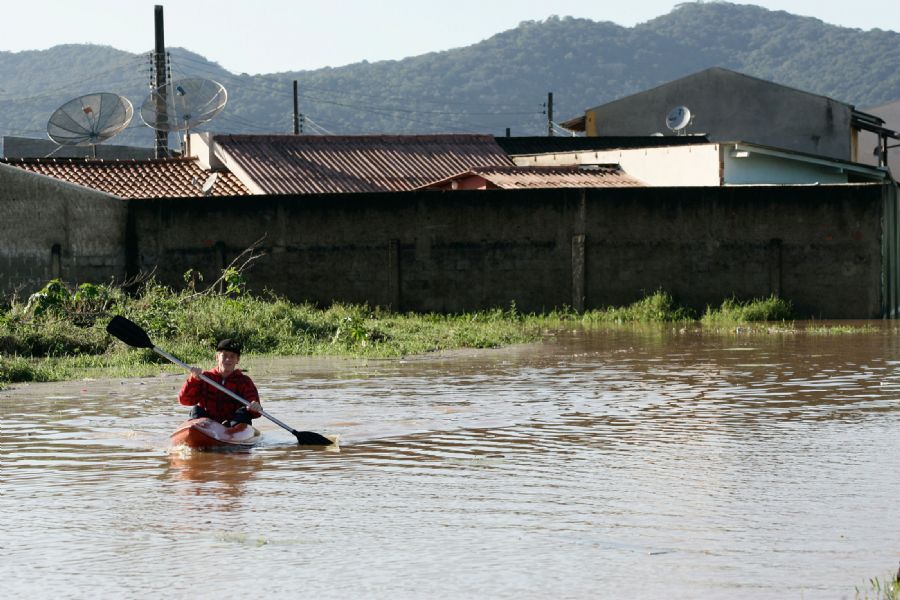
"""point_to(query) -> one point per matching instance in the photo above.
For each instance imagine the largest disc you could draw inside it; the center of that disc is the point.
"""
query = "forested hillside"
(498, 83)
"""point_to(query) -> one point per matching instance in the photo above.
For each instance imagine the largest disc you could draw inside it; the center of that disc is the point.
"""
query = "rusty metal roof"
(306, 164)
(132, 179)
(517, 178)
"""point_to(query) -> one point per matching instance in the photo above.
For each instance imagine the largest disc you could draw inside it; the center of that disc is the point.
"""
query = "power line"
(74, 83)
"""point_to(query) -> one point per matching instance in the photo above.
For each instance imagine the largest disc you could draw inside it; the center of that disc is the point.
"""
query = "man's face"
(227, 361)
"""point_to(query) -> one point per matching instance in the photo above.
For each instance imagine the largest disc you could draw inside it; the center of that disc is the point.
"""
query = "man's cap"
(229, 345)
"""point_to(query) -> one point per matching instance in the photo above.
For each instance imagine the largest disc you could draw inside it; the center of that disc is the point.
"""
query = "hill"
(486, 87)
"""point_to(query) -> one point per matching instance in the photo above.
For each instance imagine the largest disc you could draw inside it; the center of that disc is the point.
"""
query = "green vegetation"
(736, 311)
(839, 329)
(661, 307)
(887, 588)
(60, 332)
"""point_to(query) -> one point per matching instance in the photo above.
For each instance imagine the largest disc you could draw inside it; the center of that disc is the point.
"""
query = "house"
(544, 177)
(725, 105)
(705, 163)
(291, 164)
(872, 149)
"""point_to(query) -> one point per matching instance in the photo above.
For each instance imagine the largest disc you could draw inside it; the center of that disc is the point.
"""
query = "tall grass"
(732, 310)
(886, 588)
(60, 332)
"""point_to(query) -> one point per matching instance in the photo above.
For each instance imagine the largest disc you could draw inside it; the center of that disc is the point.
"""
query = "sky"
(271, 36)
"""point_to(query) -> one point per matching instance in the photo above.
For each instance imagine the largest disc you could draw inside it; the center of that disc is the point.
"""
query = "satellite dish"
(90, 119)
(209, 184)
(183, 104)
(678, 118)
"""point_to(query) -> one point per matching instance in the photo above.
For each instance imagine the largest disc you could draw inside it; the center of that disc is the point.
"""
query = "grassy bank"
(59, 333)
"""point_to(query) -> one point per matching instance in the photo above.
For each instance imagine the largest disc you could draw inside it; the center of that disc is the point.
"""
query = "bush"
(657, 307)
(732, 310)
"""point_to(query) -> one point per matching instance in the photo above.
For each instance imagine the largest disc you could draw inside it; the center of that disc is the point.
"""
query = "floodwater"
(625, 464)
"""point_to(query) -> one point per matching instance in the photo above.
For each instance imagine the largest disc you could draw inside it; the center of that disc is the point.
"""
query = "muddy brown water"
(634, 463)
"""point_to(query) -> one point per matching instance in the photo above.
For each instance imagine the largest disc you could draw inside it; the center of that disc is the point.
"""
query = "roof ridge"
(98, 161)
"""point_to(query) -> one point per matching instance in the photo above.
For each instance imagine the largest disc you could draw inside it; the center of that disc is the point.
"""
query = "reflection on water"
(646, 463)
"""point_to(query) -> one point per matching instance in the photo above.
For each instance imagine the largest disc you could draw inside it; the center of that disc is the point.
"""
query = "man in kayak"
(207, 401)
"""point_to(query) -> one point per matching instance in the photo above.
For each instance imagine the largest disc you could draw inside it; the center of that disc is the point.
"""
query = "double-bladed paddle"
(132, 334)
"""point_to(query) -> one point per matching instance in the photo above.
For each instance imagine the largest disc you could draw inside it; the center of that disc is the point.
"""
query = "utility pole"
(159, 80)
(297, 128)
(550, 114)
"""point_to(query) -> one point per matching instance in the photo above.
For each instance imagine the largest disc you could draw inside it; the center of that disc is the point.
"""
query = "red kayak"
(206, 433)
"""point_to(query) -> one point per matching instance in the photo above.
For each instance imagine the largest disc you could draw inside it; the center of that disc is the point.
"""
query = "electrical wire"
(567, 132)
(308, 120)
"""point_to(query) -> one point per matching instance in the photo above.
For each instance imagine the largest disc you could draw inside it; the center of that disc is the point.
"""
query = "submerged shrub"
(657, 307)
(732, 310)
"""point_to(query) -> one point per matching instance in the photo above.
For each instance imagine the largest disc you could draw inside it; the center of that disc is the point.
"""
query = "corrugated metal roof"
(132, 179)
(301, 164)
(514, 178)
(549, 145)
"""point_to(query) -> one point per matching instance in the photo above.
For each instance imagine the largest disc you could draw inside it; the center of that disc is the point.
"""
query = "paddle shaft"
(222, 388)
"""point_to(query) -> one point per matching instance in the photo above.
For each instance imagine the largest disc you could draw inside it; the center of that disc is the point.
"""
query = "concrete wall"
(19, 147)
(730, 106)
(819, 246)
(54, 229)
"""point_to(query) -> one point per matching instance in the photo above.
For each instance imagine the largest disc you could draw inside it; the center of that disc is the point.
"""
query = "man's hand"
(196, 372)
(255, 406)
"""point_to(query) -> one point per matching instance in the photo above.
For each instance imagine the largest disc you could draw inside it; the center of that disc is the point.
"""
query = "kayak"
(206, 433)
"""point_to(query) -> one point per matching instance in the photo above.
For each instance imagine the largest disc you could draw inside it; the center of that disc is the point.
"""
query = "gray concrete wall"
(20, 147)
(819, 246)
(730, 106)
(53, 229)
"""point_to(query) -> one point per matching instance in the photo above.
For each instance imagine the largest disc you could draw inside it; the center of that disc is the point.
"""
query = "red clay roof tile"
(132, 179)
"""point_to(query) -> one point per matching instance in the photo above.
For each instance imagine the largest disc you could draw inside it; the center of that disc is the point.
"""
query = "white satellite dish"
(678, 118)
(183, 105)
(90, 119)
(209, 184)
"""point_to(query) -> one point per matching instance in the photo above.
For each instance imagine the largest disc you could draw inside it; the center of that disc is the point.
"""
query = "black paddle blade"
(129, 332)
(311, 438)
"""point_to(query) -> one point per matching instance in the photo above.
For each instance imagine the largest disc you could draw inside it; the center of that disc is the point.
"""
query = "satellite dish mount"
(182, 105)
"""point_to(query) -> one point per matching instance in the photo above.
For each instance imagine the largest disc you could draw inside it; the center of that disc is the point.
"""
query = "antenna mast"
(298, 127)
(159, 80)
(550, 114)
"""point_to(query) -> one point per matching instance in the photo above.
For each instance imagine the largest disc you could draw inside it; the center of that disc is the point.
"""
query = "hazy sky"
(269, 36)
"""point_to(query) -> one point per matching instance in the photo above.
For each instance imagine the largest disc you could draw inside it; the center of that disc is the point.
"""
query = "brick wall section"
(50, 229)
(819, 246)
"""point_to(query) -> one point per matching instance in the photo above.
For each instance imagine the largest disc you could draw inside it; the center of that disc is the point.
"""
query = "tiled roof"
(516, 178)
(131, 179)
(306, 164)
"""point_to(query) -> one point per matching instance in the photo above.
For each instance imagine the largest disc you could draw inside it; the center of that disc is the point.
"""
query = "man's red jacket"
(217, 404)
